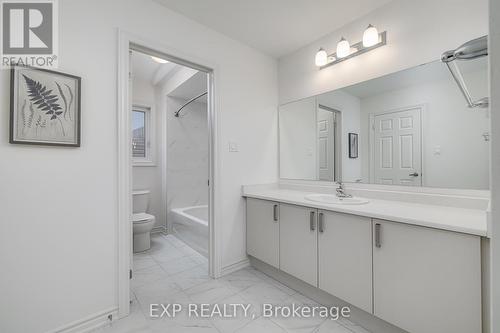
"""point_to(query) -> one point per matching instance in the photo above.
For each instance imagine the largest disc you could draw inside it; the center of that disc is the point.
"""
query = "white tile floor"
(171, 272)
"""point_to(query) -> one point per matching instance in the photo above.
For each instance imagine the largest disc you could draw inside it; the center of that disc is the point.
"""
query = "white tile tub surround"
(187, 156)
(454, 210)
(178, 280)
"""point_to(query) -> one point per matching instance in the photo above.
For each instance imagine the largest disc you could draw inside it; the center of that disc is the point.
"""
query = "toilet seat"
(142, 218)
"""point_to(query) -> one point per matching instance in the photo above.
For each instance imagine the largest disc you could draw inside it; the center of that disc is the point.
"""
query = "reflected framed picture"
(44, 107)
(353, 145)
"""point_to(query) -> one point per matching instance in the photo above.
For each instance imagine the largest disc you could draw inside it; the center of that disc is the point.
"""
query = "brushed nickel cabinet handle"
(321, 223)
(378, 243)
(312, 224)
(275, 213)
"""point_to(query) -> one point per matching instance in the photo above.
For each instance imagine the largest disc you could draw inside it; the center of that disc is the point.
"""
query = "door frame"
(126, 42)
(371, 146)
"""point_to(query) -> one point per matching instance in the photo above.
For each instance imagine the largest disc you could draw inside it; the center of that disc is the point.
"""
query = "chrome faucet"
(341, 191)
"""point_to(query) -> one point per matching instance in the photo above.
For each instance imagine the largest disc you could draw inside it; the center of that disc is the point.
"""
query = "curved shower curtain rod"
(176, 113)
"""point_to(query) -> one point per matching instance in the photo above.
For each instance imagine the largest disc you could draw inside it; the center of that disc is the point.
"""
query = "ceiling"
(275, 27)
(144, 68)
(194, 86)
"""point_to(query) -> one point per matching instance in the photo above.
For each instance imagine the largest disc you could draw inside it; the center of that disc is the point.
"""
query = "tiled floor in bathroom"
(172, 272)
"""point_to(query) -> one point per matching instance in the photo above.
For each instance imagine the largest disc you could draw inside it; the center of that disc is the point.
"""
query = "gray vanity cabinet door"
(263, 230)
(345, 257)
(426, 280)
(298, 242)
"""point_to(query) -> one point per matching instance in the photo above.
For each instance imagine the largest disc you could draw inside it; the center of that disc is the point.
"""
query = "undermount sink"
(333, 199)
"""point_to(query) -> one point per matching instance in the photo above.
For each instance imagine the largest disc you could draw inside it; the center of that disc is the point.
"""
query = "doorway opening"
(166, 173)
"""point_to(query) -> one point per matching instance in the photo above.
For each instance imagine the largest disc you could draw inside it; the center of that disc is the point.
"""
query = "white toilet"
(143, 223)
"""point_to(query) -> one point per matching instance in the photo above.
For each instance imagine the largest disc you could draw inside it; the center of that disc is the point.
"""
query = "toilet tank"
(140, 201)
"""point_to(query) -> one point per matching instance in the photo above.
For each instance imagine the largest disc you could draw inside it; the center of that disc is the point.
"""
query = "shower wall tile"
(187, 155)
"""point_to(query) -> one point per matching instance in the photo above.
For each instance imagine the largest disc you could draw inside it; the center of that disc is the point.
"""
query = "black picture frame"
(14, 138)
(353, 145)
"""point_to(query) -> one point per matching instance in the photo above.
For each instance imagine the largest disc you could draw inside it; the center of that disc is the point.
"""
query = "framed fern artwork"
(44, 107)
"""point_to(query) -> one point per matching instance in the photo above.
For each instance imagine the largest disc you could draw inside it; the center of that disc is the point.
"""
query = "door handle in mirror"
(415, 174)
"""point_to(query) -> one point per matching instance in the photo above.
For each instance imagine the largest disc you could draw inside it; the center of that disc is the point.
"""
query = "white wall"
(494, 52)
(150, 177)
(417, 31)
(187, 156)
(349, 107)
(447, 123)
(58, 236)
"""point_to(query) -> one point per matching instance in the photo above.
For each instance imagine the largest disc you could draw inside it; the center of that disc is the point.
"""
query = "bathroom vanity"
(409, 249)
(414, 264)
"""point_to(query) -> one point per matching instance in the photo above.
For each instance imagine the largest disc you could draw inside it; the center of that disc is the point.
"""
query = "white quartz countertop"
(464, 220)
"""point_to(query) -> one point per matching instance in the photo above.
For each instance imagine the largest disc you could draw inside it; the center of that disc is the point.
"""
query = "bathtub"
(190, 225)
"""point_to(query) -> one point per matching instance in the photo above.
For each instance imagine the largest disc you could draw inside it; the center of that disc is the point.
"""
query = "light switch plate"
(233, 147)
(437, 150)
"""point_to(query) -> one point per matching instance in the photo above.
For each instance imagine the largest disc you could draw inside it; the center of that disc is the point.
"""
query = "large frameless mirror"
(409, 128)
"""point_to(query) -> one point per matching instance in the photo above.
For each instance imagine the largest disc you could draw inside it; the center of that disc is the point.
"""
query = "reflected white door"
(398, 148)
(326, 145)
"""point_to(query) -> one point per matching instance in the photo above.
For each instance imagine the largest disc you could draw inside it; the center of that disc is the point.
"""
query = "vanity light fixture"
(343, 48)
(321, 58)
(370, 36)
(372, 39)
(159, 60)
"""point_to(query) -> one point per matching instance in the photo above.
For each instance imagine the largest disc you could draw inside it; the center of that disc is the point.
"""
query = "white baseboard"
(89, 323)
(235, 267)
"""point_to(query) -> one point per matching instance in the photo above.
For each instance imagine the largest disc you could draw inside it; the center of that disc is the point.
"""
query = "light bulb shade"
(321, 58)
(370, 36)
(159, 60)
(343, 48)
